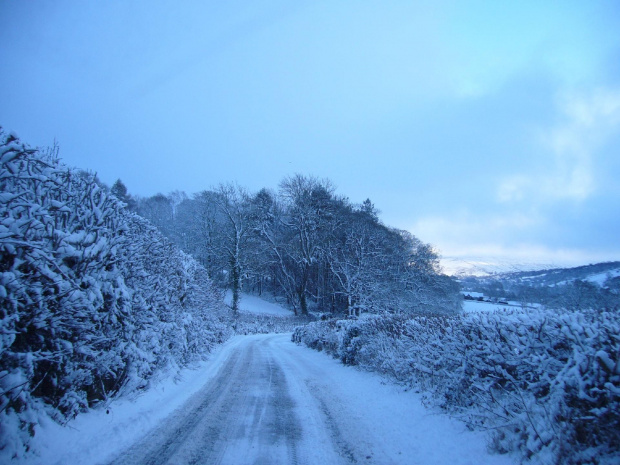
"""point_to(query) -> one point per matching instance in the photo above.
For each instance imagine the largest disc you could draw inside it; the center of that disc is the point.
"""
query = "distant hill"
(589, 286)
(597, 273)
(481, 266)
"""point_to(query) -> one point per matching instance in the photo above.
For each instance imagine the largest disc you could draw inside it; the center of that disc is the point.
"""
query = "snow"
(472, 294)
(600, 278)
(253, 304)
(390, 423)
(473, 306)
(378, 420)
(97, 436)
(81, 268)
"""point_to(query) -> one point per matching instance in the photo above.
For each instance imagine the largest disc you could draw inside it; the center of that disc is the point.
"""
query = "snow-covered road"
(273, 402)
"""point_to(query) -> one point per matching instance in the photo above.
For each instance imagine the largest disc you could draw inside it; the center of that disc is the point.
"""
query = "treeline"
(303, 243)
(94, 300)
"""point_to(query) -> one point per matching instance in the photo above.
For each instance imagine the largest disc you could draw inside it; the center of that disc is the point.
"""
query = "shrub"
(545, 383)
(93, 300)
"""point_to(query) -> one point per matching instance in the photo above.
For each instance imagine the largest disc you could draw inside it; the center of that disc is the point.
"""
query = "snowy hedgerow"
(252, 323)
(547, 383)
(93, 300)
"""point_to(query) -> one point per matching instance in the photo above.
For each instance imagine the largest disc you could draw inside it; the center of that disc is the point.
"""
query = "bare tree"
(309, 219)
(234, 220)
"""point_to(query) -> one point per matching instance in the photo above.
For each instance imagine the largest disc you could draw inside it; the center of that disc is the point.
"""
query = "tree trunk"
(235, 286)
(303, 303)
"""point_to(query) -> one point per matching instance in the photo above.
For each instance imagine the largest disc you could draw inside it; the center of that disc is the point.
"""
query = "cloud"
(587, 121)
(496, 258)
(467, 231)
(487, 240)
(513, 188)
(475, 242)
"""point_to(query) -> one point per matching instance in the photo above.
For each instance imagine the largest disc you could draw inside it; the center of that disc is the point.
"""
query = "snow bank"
(99, 435)
(547, 384)
(379, 421)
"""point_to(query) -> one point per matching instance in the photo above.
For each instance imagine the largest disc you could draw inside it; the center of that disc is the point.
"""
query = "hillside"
(595, 273)
(595, 285)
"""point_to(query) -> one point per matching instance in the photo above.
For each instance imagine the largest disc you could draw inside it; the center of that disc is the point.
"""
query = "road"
(273, 402)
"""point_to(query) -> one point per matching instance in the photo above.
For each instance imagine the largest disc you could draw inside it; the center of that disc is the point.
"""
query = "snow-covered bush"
(253, 323)
(93, 300)
(546, 383)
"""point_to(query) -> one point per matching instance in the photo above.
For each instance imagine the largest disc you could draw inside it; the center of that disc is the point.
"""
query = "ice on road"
(273, 402)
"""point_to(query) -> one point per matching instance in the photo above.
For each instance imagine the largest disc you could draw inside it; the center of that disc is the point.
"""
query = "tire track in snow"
(273, 402)
(245, 415)
(163, 443)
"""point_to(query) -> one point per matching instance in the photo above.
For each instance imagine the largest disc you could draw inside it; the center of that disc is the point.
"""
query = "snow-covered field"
(473, 306)
(253, 304)
(340, 414)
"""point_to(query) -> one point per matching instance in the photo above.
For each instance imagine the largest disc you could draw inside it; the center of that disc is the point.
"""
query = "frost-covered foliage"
(307, 245)
(93, 300)
(252, 323)
(546, 384)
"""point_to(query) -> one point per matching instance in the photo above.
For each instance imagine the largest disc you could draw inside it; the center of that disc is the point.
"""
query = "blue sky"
(489, 129)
